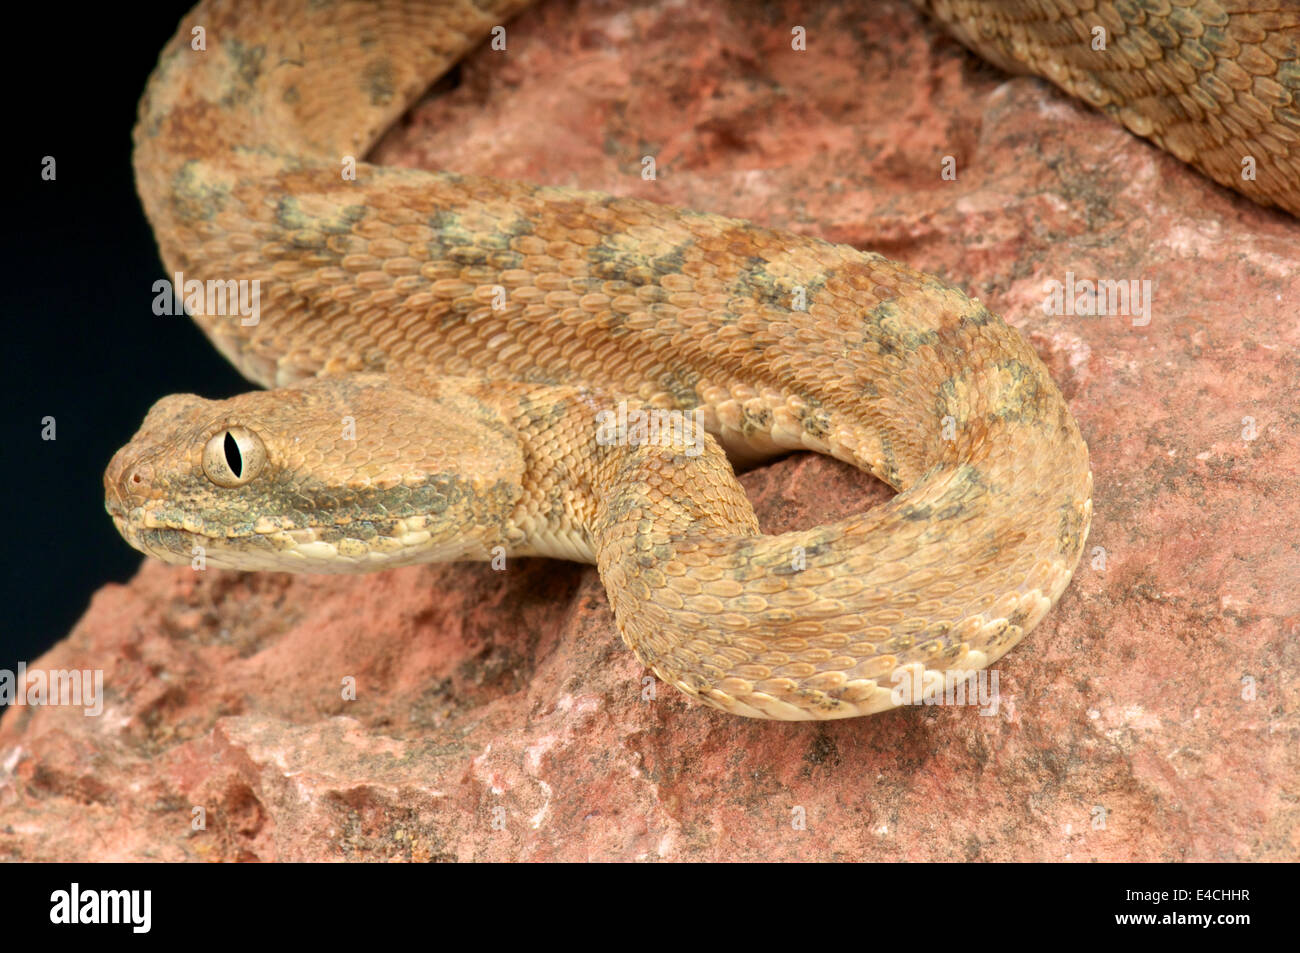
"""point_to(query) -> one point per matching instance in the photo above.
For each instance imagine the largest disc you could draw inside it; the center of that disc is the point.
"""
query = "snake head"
(344, 474)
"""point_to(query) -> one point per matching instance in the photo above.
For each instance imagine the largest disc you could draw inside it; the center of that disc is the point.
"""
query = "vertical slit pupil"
(233, 459)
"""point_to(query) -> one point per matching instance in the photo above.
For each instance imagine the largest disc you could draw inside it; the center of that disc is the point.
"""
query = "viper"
(467, 368)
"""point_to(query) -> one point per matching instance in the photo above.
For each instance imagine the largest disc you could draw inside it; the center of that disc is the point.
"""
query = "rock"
(1151, 716)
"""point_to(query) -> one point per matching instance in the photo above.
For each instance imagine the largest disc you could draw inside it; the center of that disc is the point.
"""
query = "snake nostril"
(137, 478)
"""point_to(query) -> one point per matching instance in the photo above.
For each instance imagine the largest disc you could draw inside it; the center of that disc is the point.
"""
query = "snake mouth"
(267, 547)
(145, 532)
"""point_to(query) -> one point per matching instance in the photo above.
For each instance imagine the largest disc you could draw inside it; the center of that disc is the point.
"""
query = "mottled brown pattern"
(1215, 82)
(495, 320)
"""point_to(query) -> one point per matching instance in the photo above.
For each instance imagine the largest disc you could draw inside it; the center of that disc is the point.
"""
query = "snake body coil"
(464, 366)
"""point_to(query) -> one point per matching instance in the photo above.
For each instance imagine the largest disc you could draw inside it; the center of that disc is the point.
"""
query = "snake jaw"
(297, 551)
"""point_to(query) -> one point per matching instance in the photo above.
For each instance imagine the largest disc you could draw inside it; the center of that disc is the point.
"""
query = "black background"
(81, 342)
(900, 906)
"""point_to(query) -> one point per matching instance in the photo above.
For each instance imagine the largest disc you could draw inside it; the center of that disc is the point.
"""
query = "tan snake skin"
(443, 346)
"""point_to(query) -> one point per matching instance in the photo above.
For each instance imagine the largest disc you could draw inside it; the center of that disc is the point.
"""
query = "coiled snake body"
(447, 354)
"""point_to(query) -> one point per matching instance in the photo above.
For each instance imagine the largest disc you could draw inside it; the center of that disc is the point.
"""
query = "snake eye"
(233, 456)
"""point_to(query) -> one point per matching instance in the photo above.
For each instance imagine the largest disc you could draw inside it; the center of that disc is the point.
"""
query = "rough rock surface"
(1152, 716)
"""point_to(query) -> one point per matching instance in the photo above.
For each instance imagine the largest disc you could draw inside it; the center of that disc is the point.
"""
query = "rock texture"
(1152, 716)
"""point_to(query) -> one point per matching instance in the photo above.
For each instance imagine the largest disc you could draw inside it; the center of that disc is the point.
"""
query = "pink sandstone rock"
(1151, 716)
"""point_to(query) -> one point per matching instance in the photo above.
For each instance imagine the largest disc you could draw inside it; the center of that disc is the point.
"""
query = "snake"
(463, 368)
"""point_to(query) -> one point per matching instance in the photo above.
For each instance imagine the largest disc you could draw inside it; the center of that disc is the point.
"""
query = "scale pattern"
(470, 331)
